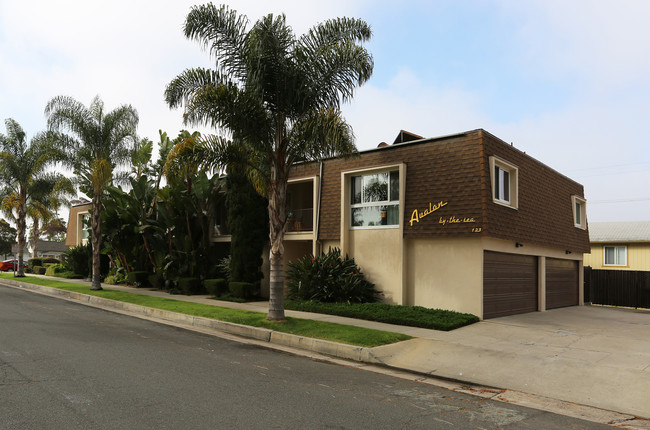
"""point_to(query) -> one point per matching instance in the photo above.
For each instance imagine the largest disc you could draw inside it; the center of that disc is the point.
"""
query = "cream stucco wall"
(378, 252)
(638, 256)
(445, 274)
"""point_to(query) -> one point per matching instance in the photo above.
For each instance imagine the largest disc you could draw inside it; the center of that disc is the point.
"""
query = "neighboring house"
(77, 234)
(619, 246)
(464, 222)
(47, 249)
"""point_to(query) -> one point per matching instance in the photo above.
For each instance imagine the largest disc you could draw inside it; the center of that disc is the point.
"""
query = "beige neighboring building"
(619, 246)
(76, 234)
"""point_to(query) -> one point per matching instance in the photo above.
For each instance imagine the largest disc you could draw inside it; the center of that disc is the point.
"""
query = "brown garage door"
(509, 284)
(561, 283)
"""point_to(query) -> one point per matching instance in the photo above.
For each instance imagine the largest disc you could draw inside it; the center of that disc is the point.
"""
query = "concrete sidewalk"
(593, 356)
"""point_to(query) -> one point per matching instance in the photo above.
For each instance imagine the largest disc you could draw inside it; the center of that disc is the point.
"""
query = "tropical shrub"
(116, 275)
(329, 278)
(216, 287)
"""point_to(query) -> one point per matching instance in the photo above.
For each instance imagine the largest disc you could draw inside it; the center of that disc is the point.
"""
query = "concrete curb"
(334, 349)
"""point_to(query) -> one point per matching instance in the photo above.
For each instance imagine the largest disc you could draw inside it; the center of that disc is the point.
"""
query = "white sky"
(567, 81)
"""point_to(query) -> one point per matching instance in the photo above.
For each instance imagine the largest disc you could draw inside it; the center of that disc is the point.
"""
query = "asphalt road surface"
(68, 366)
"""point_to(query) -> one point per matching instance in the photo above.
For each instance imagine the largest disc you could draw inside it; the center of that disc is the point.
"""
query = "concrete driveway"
(591, 355)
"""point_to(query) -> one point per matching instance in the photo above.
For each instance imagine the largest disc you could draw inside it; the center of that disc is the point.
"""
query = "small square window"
(615, 255)
(504, 182)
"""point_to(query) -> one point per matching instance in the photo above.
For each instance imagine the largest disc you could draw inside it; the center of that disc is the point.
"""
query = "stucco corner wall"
(378, 253)
(445, 274)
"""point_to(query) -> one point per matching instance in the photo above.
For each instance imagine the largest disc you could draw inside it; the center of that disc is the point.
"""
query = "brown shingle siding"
(545, 212)
(455, 170)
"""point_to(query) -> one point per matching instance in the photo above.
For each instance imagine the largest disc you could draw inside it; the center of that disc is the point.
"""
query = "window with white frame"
(579, 212)
(504, 182)
(615, 255)
(374, 199)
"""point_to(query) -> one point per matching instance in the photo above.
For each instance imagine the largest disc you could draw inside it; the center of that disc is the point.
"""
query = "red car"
(8, 265)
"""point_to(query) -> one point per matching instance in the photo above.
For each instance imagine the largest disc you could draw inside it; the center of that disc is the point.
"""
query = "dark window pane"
(394, 186)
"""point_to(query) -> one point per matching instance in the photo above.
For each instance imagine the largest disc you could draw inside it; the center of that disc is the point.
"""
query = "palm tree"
(97, 142)
(24, 177)
(278, 96)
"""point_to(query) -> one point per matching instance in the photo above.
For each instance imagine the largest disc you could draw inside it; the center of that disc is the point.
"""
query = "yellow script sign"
(417, 216)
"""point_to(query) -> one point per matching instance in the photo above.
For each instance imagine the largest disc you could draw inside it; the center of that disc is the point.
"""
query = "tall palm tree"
(24, 176)
(97, 142)
(278, 96)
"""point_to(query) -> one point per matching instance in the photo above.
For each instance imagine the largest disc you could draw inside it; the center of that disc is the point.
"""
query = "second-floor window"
(374, 199)
(504, 182)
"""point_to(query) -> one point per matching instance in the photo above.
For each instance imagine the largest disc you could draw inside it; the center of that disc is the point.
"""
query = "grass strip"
(413, 316)
(351, 335)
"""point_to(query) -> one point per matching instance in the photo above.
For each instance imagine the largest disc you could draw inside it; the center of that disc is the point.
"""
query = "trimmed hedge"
(190, 286)
(156, 281)
(39, 270)
(413, 316)
(216, 287)
(34, 262)
(138, 278)
(54, 269)
(242, 290)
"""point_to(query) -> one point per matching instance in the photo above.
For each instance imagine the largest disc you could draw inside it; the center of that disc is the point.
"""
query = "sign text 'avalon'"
(417, 216)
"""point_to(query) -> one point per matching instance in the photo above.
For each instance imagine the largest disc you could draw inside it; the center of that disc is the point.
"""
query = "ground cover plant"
(413, 316)
(317, 329)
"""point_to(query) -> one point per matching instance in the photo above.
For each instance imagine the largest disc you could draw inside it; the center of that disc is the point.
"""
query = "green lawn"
(321, 330)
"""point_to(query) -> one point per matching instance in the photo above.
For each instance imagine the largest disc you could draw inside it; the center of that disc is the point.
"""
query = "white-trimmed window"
(615, 255)
(374, 199)
(579, 212)
(504, 178)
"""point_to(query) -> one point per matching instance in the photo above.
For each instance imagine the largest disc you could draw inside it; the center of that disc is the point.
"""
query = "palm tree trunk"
(277, 219)
(35, 239)
(96, 239)
(20, 224)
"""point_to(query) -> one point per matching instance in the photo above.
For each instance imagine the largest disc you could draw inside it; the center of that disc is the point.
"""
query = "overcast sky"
(568, 82)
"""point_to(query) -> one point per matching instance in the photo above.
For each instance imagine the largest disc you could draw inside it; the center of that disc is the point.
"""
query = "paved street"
(67, 366)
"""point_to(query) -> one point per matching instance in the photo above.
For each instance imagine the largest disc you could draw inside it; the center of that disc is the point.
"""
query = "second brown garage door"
(561, 283)
(509, 284)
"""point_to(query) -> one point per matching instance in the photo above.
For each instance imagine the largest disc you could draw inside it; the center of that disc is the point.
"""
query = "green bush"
(78, 259)
(216, 287)
(190, 286)
(156, 281)
(242, 290)
(138, 278)
(34, 262)
(329, 278)
(54, 269)
(50, 260)
(39, 270)
(413, 316)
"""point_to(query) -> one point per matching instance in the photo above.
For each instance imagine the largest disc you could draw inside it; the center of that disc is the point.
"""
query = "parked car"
(8, 265)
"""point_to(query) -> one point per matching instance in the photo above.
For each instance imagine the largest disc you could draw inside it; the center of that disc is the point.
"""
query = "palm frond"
(223, 32)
